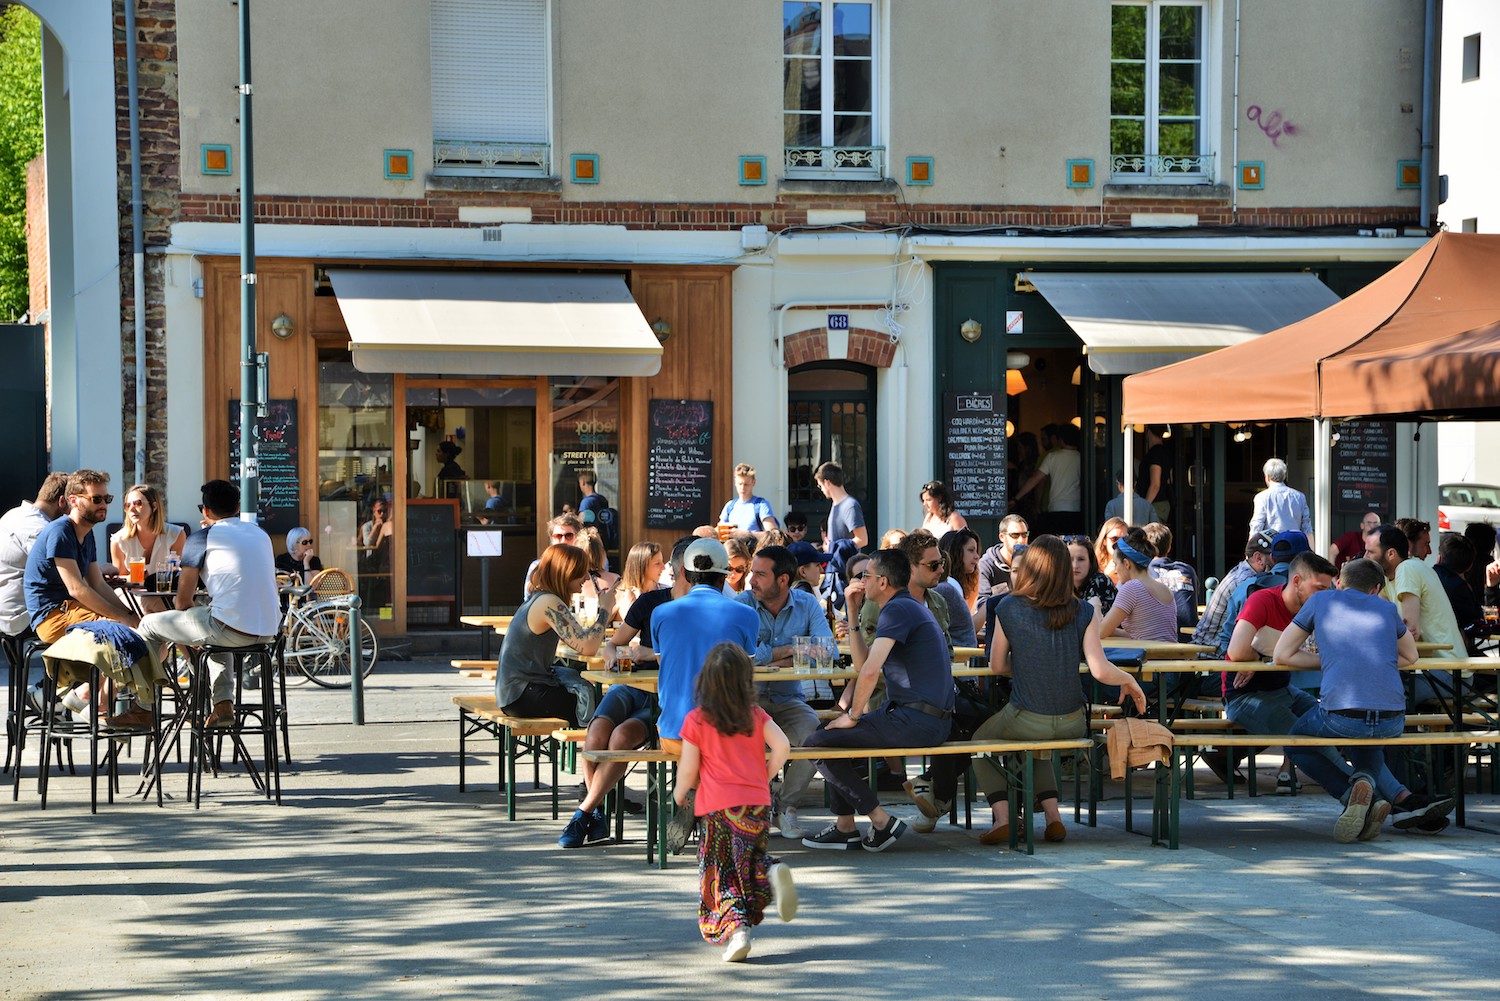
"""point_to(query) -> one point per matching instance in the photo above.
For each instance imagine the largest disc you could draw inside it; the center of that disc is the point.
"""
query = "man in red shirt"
(1267, 701)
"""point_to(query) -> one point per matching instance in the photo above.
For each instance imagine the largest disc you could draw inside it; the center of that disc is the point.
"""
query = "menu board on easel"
(974, 461)
(278, 484)
(679, 450)
(1364, 467)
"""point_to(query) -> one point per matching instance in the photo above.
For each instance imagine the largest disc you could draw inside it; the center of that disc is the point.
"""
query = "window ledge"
(454, 182)
(1185, 190)
(822, 187)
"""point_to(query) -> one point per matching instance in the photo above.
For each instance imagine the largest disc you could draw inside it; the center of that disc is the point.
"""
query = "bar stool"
(93, 728)
(205, 741)
(21, 717)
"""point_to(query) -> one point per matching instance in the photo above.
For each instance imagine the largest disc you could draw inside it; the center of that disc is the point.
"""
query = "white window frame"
(1152, 167)
(499, 156)
(852, 162)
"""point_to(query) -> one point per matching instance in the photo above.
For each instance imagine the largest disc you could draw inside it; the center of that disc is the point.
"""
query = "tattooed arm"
(550, 613)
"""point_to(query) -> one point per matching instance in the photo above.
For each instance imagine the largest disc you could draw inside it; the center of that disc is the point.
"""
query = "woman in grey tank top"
(526, 682)
(1042, 632)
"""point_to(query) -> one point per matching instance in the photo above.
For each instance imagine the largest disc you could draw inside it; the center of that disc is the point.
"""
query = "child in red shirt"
(724, 744)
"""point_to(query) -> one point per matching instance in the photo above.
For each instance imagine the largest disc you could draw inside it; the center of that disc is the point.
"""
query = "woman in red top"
(724, 744)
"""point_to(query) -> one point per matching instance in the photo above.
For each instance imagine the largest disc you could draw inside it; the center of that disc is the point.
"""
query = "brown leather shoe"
(1055, 832)
(998, 834)
(223, 715)
(135, 718)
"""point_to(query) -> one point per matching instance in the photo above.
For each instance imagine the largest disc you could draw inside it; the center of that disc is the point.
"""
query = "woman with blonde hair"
(643, 568)
(145, 535)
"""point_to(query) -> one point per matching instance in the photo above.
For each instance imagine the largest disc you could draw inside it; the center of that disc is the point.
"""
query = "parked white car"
(1461, 504)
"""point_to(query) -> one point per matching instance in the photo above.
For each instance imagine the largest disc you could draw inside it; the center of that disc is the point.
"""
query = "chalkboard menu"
(679, 449)
(1364, 467)
(279, 487)
(431, 549)
(974, 452)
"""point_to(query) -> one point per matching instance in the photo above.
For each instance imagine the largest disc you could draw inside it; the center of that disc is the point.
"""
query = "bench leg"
(462, 735)
(1028, 794)
(556, 748)
(1174, 802)
(510, 774)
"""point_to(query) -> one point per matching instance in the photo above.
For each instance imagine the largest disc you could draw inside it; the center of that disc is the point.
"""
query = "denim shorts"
(623, 703)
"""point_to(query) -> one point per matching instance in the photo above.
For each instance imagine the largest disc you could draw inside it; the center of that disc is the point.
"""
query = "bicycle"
(317, 640)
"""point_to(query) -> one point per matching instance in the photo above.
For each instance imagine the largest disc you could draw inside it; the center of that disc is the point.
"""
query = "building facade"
(808, 202)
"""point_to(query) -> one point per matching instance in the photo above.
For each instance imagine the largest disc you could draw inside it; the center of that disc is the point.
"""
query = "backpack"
(1274, 577)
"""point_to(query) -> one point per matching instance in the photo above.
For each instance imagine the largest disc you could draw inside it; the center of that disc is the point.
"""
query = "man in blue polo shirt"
(1362, 642)
(912, 652)
(785, 613)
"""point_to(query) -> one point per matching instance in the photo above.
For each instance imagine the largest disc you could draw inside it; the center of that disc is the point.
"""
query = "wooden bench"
(1451, 738)
(517, 735)
(475, 668)
(1020, 785)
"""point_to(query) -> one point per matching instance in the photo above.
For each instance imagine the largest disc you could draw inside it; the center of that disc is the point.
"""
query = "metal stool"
(21, 717)
(92, 728)
(204, 743)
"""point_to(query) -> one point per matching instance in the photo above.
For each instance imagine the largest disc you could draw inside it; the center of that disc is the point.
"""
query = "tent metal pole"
(1322, 482)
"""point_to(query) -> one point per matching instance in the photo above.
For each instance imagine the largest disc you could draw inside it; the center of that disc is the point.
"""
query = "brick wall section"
(868, 347)
(439, 210)
(161, 186)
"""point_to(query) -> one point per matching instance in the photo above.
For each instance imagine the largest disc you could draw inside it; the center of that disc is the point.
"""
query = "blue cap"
(1286, 545)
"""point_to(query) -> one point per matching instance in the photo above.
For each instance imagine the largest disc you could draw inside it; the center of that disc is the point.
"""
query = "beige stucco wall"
(334, 85)
(1001, 92)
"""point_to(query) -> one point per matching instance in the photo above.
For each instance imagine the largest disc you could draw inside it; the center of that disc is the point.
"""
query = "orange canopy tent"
(1421, 341)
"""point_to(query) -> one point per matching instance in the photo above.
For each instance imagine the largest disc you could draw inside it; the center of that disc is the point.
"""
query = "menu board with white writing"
(679, 450)
(1364, 467)
(278, 484)
(974, 463)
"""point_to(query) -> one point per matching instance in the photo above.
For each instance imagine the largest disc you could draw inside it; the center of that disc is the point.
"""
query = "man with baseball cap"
(682, 633)
(1257, 561)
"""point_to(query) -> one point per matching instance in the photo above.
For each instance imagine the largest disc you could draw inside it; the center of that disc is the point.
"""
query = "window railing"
(499, 159)
(837, 162)
(1144, 166)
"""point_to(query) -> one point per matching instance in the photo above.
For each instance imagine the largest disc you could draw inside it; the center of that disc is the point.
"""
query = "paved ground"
(376, 879)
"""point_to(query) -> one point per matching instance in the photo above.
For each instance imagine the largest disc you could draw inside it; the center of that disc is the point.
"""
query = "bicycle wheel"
(319, 646)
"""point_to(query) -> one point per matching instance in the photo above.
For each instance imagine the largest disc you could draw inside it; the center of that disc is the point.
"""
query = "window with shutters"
(491, 108)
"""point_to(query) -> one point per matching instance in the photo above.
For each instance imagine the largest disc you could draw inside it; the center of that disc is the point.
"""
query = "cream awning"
(495, 323)
(1132, 322)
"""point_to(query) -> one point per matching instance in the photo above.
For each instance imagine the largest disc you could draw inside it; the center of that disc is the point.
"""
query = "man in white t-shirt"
(19, 528)
(234, 561)
(1062, 470)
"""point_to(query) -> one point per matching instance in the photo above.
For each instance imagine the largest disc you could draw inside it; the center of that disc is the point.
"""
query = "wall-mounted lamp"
(662, 329)
(1019, 359)
(283, 327)
(1010, 429)
(970, 330)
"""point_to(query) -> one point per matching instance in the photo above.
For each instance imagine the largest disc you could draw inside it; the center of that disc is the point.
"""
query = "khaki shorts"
(69, 613)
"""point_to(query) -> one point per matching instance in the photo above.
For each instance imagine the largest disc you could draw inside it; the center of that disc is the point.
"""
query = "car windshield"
(1471, 495)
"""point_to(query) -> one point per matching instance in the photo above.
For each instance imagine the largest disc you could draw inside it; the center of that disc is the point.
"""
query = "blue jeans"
(1276, 711)
(1365, 759)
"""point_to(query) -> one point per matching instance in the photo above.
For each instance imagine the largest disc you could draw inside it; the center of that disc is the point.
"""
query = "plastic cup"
(725, 530)
(136, 567)
(802, 654)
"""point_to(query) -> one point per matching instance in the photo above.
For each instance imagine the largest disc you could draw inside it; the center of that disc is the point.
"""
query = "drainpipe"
(249, 382)
(1234, 149)
(138, 249)
(1429, 115)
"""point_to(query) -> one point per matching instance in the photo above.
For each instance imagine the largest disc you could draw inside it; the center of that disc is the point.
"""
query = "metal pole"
(249, 439)
(356, 661)
(484, 606)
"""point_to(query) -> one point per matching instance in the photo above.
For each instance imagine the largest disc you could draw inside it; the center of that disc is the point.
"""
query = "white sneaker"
(783, 890)
(924, 824)
(738, 947)
(787, 824)
(72, 702)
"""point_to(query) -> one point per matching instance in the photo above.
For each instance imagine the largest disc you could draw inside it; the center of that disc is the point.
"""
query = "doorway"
(831, 418)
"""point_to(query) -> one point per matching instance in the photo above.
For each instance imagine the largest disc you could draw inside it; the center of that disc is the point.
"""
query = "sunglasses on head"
(1077, 540)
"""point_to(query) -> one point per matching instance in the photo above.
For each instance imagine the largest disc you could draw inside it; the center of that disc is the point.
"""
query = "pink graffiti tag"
(1272, 124)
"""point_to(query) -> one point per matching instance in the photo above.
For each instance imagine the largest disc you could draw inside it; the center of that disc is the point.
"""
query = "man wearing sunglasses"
(994, 565)
(64, 585)
(561, 531)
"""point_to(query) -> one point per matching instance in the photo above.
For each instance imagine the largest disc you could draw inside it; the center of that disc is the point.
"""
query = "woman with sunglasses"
(299, 558)
(145, 535)
(1104, 547)
(1041, 632)
(1088, 583)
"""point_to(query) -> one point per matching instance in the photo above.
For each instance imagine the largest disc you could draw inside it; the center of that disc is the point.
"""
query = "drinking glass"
(801, 654)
